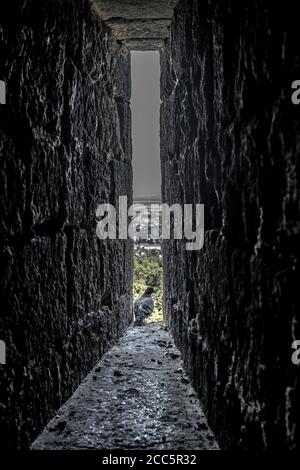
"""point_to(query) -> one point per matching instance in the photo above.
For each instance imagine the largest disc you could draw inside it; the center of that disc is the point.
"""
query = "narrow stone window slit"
(145, 108)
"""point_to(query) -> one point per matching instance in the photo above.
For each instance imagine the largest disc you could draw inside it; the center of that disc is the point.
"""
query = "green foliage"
(148, 271)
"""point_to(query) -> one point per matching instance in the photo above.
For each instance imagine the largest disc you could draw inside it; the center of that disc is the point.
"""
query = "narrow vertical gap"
(145, 103)
(145, 107)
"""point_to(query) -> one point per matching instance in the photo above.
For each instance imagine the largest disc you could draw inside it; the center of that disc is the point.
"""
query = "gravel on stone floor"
(136, 397)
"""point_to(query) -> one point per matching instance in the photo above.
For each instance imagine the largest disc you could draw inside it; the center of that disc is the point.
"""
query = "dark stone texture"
(230, 139)
(65, 147)
(137, 397)
(139, 24)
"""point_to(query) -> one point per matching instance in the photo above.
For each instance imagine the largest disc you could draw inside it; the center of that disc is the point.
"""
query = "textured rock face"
(141, 24)
(137, 397)
(230, 140)
(65, 147)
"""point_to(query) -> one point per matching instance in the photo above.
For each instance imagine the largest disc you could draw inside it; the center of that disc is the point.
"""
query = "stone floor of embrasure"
(136, 397)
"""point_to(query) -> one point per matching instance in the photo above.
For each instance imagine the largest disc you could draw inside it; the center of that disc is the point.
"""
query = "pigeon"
(143, 307)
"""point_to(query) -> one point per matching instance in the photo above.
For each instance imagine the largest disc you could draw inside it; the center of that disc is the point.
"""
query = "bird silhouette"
(143, 307)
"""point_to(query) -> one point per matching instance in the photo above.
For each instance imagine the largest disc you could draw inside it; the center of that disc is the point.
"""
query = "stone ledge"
(141, 25)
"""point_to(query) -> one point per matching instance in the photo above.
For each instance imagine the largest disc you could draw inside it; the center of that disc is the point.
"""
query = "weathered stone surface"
(141, 24)
(65, 147)
(230, 140)
(137, 397)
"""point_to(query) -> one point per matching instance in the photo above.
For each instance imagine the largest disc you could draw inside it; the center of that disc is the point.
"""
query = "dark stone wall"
(65, 147)
(230, 139)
